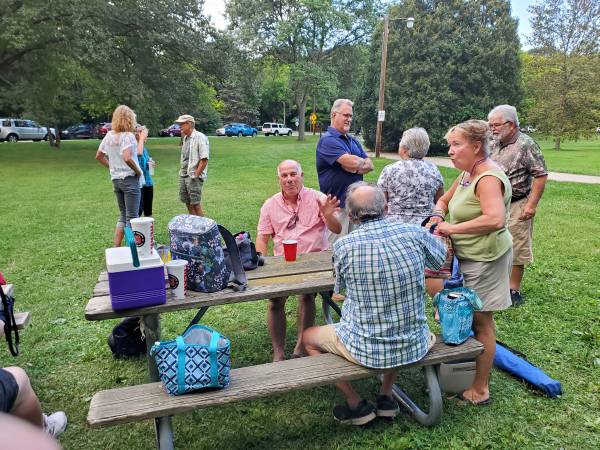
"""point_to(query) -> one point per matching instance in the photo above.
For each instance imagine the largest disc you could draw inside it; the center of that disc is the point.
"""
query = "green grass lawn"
(581, 157)
(58, 216)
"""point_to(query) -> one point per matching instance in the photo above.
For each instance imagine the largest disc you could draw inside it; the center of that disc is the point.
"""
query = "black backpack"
(126, 339)
(250, 258)
(7, 315)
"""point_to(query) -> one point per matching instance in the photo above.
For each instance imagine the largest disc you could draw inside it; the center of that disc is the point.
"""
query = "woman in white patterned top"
(118, 152)
(411, 185)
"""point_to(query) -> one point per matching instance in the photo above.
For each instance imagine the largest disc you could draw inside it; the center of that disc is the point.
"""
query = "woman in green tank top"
(477, 207)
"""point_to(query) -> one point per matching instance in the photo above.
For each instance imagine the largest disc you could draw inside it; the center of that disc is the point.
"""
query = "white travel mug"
(151, 165)
(143, 231)
(176, 271)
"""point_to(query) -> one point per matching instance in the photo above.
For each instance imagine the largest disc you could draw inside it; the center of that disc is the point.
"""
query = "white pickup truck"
(276, 129)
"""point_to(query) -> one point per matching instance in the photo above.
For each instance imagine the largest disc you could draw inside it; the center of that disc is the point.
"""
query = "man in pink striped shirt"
(303, 214)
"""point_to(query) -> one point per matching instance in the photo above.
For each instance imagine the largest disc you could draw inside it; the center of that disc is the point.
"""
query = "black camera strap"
(10, 324)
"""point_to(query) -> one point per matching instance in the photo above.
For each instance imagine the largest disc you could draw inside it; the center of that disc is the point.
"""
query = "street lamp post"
(410, 21)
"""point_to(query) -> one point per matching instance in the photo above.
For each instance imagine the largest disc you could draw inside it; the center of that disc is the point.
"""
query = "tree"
(304, 34)
(562, 72)
(65, 59)
(460, 60)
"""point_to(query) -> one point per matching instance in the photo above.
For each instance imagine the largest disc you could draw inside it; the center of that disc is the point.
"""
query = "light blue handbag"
(455, 307)
(196, 360)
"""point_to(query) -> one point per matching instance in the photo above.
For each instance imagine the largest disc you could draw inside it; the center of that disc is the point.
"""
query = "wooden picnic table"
(310, 273)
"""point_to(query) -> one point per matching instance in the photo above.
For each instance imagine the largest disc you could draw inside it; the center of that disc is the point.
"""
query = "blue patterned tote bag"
(196, 360)
(455, 307)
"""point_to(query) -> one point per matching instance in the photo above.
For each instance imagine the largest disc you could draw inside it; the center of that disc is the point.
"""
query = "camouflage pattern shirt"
(522, 161)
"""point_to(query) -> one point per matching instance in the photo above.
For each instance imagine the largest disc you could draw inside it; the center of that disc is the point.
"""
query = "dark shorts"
(8, 390)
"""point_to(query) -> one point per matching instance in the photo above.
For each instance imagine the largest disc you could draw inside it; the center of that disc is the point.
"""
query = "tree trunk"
(50, 137)
(57, 142)
(301, 105)
(557, 143)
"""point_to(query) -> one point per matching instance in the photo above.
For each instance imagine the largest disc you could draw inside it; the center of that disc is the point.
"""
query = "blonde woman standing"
(477, 205)
(118, 152)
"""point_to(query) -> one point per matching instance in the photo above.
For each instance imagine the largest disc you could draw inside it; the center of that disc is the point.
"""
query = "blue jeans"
(128, 195)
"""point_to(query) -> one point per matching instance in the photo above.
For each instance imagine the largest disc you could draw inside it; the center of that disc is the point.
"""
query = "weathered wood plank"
(135, 403)
(99, 307)
(22, 319)
(275, 266)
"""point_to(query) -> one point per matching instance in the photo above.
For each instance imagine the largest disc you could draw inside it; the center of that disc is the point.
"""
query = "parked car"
(102, 129)
(80, 131)
(276, 129)
(528, 129)
(171, 131)
(598, 130)
(221, 131)
(240, 129)
(14, 130)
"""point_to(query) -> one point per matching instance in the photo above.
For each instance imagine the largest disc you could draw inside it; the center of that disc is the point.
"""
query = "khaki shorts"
(330, 342)
(522, 233)
(190, 190)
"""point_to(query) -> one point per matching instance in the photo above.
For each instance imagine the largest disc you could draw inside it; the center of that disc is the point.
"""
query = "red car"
(102, 129)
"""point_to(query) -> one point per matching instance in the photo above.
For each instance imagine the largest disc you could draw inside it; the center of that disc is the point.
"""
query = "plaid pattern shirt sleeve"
(381, 266)
(199, 150)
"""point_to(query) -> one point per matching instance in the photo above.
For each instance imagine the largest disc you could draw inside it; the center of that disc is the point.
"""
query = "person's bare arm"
(201, 166)
(355, 164)
(537, 189)
(262, 243)
(101, 158)
(128, 159)
(493, 212)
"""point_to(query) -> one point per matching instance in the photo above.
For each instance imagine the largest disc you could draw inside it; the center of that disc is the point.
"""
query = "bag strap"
(180, 365)
(214, 361)
(10, 326)
(132, 245)
(240, 282)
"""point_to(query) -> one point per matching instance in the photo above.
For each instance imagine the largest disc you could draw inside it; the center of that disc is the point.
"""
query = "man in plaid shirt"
(381, 268)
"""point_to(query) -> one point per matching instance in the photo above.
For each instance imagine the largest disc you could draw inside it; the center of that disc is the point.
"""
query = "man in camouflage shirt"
(524, 164)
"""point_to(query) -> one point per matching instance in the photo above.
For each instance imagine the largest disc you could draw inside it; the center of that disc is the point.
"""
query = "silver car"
(14, 130)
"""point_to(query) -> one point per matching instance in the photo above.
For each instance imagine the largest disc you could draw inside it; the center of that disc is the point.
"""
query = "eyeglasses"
(293, 221)
(347, 116)
(498, 125)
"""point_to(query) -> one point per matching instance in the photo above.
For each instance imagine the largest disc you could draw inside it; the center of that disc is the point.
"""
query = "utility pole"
(380, 110)
(410, 21)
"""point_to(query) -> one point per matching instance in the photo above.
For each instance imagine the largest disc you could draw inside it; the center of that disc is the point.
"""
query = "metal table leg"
(162, 425)
(328, 304)
(435, 400)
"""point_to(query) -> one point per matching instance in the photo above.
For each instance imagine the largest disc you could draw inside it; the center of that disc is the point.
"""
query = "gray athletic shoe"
(387, 407)
(363, 414)
(55, 423)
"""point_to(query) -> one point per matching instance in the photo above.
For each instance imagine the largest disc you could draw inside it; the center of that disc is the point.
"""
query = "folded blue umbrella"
(524, 370)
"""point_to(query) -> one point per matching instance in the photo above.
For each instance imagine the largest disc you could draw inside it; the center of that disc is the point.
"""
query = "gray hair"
(292, 161)
(370, 206)
(416, 141)
(339, 102)
(509, 113)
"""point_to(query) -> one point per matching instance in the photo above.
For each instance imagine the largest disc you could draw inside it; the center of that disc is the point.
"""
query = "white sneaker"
(55, 423)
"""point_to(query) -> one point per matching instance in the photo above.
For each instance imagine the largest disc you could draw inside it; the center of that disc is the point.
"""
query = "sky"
(215, 9)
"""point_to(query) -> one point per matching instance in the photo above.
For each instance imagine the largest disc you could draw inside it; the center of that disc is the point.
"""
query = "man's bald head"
(365, 201)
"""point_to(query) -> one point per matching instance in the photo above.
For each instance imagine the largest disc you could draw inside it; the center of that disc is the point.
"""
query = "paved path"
(555, 176)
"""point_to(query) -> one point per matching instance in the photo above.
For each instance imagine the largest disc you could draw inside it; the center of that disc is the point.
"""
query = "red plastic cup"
(290, 248)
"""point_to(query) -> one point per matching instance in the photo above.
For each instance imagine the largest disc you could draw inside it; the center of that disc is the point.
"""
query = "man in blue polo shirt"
(341, 160)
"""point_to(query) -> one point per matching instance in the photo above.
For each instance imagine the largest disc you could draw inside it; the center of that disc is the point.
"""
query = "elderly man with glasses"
(521, 159)
(341, 160)
(304, 215)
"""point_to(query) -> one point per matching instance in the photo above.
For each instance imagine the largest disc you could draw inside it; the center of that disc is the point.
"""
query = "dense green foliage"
(562, 74)
(460, 60)
(56, 225)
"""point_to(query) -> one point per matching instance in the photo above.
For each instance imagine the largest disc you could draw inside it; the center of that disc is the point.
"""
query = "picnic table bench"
(311, 273)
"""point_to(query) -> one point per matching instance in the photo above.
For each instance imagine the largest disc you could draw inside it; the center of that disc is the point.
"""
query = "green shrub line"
(58, 215)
